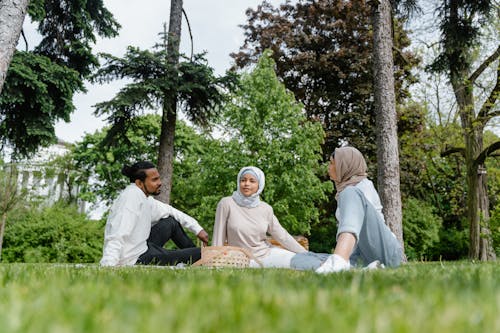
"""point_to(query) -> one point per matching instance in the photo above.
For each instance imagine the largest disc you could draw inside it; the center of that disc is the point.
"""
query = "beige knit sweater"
(248, 228)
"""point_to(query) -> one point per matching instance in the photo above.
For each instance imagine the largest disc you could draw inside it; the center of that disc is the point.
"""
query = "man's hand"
(203, 236)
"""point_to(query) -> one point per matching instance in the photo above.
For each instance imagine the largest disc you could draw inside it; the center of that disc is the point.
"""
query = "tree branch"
(484, 115)
(25, 40)
(459, 150)
(495, 113)
(484, 65)
(488, 151)
(190, 34)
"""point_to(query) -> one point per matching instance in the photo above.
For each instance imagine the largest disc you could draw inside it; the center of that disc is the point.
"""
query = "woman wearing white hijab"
(362, 235)
(244, 220)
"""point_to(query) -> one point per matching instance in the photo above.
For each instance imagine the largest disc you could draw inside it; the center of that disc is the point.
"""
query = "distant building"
(50, 182)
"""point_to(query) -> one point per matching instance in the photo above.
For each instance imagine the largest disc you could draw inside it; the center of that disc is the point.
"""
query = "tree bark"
(166, 150)
(486, 251)
(12, 13)
(480, 246)
(385, 105)
(2, 230)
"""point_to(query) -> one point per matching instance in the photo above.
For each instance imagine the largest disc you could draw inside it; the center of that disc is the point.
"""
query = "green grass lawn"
(418, 297)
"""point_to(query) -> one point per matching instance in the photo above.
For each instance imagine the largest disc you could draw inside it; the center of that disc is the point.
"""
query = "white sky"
(214, 25)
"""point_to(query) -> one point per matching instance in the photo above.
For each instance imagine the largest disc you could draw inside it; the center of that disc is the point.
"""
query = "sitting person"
(244, 220)
(138, 225)
(362, 235)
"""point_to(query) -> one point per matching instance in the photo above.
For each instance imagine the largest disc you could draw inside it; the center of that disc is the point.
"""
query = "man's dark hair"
(137, 170)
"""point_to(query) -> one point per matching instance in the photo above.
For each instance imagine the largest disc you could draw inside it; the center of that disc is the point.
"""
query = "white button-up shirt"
(129, 224)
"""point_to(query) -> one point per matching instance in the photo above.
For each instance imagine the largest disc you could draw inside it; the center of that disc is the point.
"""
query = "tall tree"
(460, 26)
(155, 81)
(323, 54)
(385, 106)
(166, 150)
(12, 13)
(41, 83)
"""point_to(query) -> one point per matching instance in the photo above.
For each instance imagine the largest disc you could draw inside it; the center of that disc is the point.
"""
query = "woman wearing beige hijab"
(362, 236)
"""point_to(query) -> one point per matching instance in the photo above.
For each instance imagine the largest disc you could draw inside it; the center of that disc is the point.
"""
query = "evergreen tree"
(155, 80)
(41, 83)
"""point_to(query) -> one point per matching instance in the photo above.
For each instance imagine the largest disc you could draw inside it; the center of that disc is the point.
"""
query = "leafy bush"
(322, 238)
(453, 243)
(420, 228)
(495, 229)
(53, 234)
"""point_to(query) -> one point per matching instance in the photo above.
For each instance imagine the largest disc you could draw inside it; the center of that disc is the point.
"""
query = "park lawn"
(418, 297)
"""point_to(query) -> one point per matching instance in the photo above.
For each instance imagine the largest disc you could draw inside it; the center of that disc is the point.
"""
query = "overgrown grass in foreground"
(419, 297)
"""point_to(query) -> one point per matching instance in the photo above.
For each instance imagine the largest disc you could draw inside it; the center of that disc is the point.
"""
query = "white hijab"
(253, 200)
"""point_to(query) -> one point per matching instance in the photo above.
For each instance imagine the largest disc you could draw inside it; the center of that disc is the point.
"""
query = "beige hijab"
(350, 166)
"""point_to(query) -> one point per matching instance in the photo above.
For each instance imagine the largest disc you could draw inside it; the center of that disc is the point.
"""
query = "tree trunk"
(166, 151)
(2, 230)
(385, 104)
(480, 244)
(12, 13)
(486, 250)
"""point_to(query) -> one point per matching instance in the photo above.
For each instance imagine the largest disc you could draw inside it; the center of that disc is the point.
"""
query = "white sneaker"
(333, 264)
(374, 265)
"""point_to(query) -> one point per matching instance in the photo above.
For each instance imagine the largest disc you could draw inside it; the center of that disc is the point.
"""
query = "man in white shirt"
(138, 225)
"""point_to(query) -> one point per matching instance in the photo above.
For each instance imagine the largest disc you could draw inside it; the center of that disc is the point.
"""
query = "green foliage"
(493, 165)
(460, 25)
(444, 297)
(323, 54)
(420, 228)
(264, 126)
(69, 28)
(53, 234)
(11, 197)
(10, 194)
(415, 145)
(155, 81)
(430, 174)
(495, 228)
(37, 93)
(267, 128)
(100, 165)
(40, 84)
(453, 242)
(323, 235)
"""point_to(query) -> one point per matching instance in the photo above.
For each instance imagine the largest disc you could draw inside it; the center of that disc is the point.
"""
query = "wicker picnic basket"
(225, 256)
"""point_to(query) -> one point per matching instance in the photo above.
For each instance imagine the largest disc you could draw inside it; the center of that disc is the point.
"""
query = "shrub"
(322, 238)
(420, 228)
(53, 234)
(453, 243)
(495, 228)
